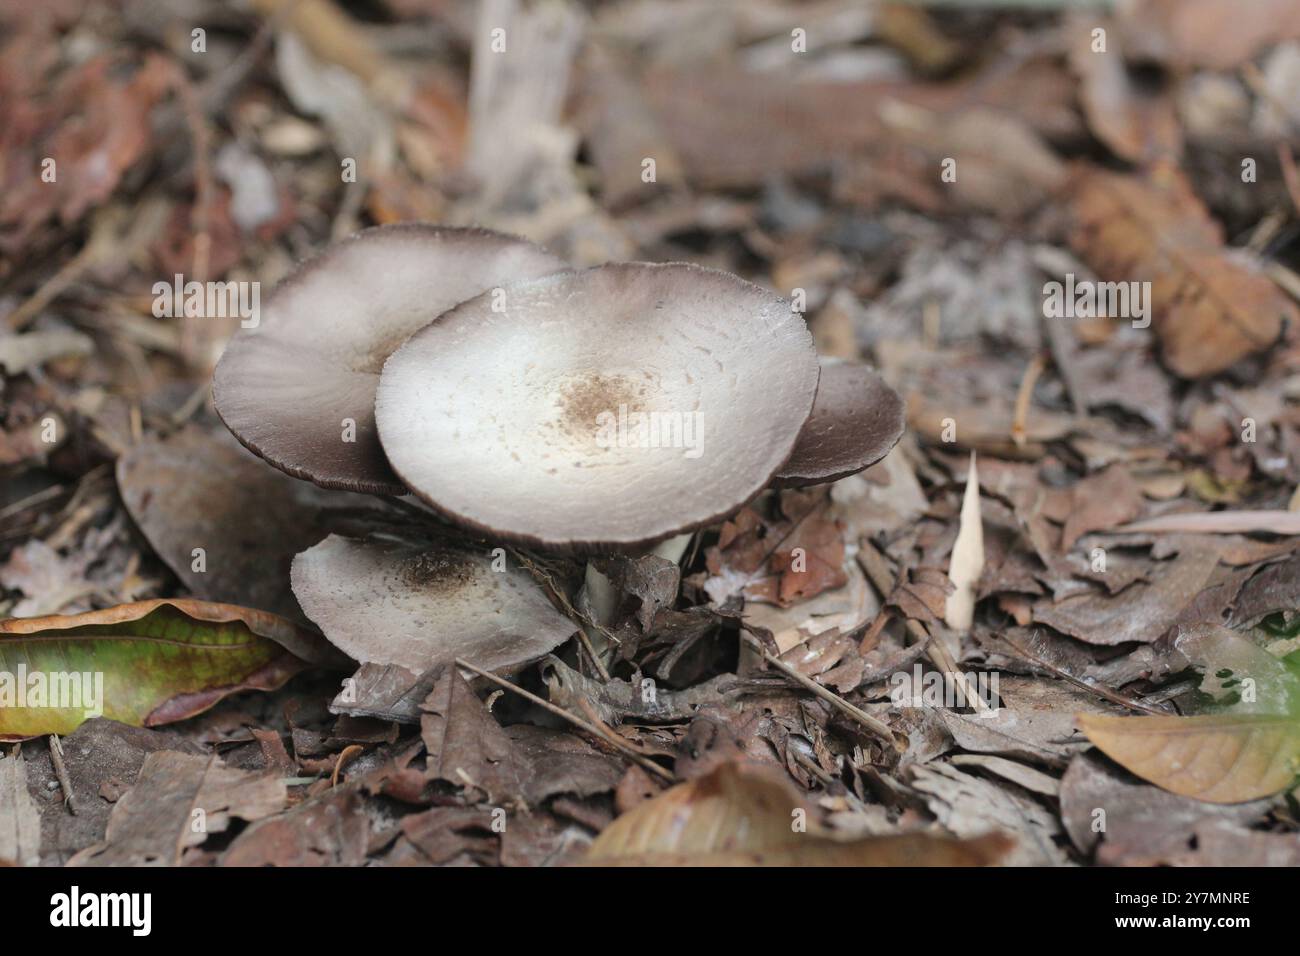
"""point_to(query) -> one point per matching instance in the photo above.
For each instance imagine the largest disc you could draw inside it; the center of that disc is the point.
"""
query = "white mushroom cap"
(602, 409)
(417, 608)
(855, 421)
(286, 387)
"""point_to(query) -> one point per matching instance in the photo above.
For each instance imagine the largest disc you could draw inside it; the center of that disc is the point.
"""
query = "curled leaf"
(145, 664)
(742, 814)
(1218, 758)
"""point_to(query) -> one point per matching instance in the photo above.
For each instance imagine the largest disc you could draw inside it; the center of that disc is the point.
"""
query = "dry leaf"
(1210, 307)
(20, 820)
(743, 814)
(1218, 758)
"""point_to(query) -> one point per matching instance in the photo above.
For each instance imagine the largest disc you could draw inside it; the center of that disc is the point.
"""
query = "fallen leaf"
(1209, 306)
(1218, 758)
(329, 830)
(145, 664)
(1099, 502)
(1207, 33)
(178, 800)
(1141, 612)
(196, 490)
(469, 749)
(1136, 120)
(20, 820)
(1139, 825)
(741, 814)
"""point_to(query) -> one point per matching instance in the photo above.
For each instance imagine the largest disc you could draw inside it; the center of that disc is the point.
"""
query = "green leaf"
(145, 664)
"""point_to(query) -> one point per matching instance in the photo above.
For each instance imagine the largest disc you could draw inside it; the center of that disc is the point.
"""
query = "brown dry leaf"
(1141, 612)
(742, 814)
(330, 830)
(1004, 167)
(177, 801)
(196, 490)
(1210, 306)
(1138, 122)
(468, 748)
(1218, 758)
(20, 820)
(1144, 826)
(1099, 502)
(781, 560)
(1207, 33)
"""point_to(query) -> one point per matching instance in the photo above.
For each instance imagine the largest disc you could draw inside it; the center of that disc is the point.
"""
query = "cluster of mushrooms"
(474, 371)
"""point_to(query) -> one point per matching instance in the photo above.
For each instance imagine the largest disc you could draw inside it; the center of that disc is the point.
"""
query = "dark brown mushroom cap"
(286, 387)
(602, 409)
(855, 421)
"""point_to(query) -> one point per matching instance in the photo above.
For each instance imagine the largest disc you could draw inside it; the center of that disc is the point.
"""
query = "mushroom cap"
(417, 607)
(285, 387)
(600, 410)
(855, 421)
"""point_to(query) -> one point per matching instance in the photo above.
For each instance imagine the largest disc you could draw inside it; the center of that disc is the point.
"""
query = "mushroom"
(418, 606)
(602, 410)
(298, 389)
(855, 421)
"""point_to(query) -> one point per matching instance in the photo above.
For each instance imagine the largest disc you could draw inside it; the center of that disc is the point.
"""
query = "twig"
(937, 654)
(1025, 395)
(344, 756)
(61, 772)
(877, 727)
(1099, 689)
(578, 722)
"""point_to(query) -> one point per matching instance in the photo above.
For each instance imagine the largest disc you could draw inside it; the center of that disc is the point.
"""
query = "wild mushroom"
(599, 411)
(298, 389)
(855, 421)
(419, 607)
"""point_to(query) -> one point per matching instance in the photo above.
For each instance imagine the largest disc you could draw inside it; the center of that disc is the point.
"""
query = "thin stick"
(61, 772)
(1019, 433)
(1099, 689)
(937, 653)
(576, 721)
(877, 727)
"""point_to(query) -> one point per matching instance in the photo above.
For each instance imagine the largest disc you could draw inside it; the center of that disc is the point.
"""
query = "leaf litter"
(1123, 565)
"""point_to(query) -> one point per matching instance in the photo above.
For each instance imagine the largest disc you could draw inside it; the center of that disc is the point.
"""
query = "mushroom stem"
(602, 598)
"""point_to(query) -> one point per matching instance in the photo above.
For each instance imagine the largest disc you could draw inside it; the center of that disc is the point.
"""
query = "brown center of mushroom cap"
(586, 400)
(602, 409)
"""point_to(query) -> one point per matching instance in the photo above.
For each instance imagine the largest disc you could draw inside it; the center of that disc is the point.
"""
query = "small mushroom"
(601, 410)
(855, 421)
(418, 607)
(299, 388)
